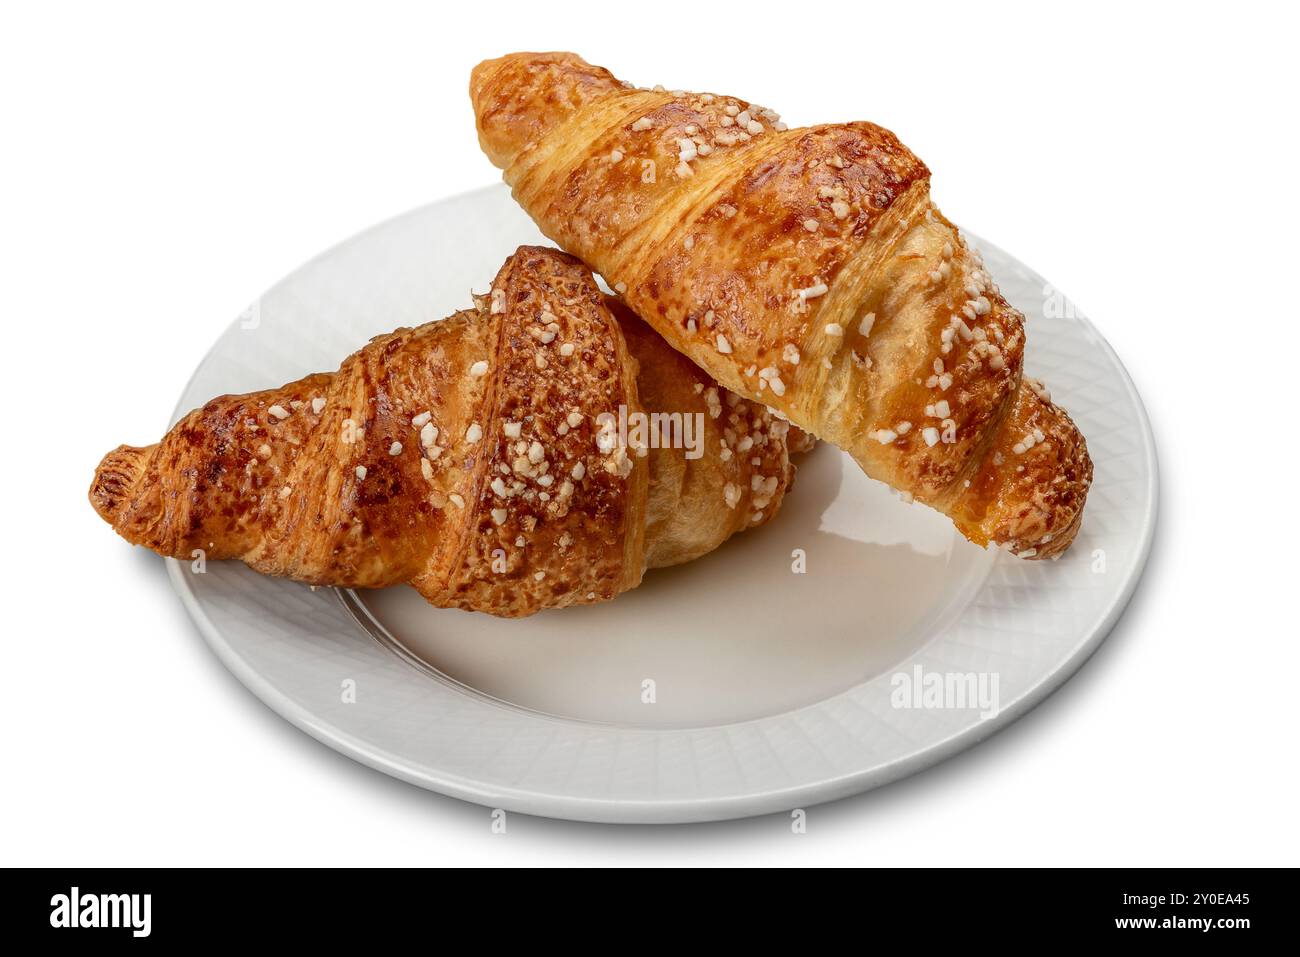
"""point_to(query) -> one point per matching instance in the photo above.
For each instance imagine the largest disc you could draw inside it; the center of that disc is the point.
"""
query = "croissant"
(484, 459)
(806, 269)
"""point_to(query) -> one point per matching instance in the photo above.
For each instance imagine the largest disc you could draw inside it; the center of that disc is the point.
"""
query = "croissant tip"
(1044, 540)
(484, 68)
(116, 476)
(479, 74)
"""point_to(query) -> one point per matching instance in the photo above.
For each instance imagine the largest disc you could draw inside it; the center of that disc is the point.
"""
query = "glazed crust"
(466, 457)
(805, 269)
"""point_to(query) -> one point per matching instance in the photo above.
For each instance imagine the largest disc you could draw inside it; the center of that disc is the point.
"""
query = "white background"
(161, 167)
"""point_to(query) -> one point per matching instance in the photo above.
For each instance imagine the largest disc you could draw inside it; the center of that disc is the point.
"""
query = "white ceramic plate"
(771, 689)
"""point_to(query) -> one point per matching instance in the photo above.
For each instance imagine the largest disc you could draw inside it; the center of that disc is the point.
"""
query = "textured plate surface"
(771, 689)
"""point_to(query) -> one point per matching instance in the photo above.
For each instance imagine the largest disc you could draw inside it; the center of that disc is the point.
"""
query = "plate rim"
(686, 809)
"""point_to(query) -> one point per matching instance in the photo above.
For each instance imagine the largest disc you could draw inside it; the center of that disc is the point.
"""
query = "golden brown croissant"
(482, 459)
(803, 268)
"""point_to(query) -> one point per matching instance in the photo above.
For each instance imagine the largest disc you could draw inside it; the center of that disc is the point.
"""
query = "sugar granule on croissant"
(806, 269)
(468, 457)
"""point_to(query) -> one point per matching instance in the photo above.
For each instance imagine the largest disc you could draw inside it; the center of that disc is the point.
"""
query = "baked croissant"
(471, 457)
(806, 269)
